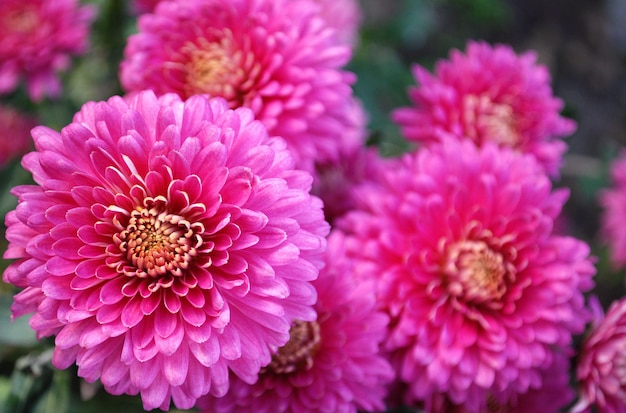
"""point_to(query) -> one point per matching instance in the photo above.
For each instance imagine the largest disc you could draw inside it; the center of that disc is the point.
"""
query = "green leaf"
(104, 402)
(5, 391)
(26, 388)
(57, 398)
(16, 333)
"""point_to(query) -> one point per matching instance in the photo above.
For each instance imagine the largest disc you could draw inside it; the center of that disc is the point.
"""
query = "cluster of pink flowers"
(177, 240)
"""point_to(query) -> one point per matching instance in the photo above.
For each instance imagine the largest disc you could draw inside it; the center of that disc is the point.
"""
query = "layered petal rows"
(332, 364)
(164, 243)
(601, 369)
(480, 291)
(488, 94)
(278, 57)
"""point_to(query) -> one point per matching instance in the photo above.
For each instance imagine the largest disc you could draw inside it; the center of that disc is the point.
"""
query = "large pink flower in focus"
(37, 39)
(479, 290)
(329, 365)
(165, 243)
(15, 137)
(601, 368)
(277, 57)
(488, 94)
(613, 217)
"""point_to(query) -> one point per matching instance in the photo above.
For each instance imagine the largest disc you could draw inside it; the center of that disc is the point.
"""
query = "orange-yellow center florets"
(297, 354)
(486, 120)
(476, 273)
(157, 242)
(214, 68)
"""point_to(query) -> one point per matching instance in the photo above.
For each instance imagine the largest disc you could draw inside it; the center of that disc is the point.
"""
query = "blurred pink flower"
(329, 365)
(613, 216)
(165, 243)
(479, 290)
(601, 368)
(37, 38)
(345, 16)
(488, 94)
(335, 181)
(144, 6)
(553, 395)
(15, 137)
(277, 57)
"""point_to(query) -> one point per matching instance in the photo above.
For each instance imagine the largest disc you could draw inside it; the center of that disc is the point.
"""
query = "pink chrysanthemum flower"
(479, 289)
(345, 16)
(329, 365)
(165, 243)
(277, 57)
(489, 94)
(552, 396)
(37, 38)
(613, 217)
(15, 137)
(601, 368)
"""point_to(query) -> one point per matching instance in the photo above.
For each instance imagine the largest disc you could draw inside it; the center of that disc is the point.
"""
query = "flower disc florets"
(165, 242)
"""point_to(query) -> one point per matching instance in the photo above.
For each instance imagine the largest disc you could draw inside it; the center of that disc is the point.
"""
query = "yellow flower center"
(486, 120)
(476, 273)
(297, 354)
(214, 68)
(157, 242)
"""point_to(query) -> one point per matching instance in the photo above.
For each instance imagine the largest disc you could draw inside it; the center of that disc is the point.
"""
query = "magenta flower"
(329, 365)
(345, 16)
(552, 396)
(336, 181)
(144, 6)
(15, 137)
(37, 38)
(165, 243)
(601, 369)
(488, 94)
(479, 290)
(277, 57)
(613, 217)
